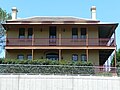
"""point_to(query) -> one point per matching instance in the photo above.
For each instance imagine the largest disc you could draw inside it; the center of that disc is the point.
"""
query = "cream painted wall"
(93, 35)
(66, 32)
(12, 33)
(92, 31)
(67, 54)
(12, 54)
(39, 54)
(41, 32)
(94, 56)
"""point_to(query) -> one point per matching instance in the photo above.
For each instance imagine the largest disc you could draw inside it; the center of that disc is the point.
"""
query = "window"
(20, 57)
(30, 32)
(83, 57)
(83, 33)
(75, 57)
(29, 56)
(21, 32)
(74, 33)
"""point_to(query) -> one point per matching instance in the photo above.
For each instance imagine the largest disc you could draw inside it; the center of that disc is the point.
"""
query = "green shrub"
(47, 69)
(118, 68)
(45, 62)
(44, 66)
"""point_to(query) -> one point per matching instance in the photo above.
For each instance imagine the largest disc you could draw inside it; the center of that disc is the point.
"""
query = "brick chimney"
(14, 13)
(93, 12)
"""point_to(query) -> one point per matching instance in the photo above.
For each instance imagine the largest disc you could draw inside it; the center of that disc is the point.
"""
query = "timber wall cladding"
(57, 82)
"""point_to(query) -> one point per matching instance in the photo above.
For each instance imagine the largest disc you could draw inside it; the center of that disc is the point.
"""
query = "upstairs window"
(29, 56)
(74, 33)
(83, 33)
(75, 57)
(83, 57)
(30, 32)
(20, 57)
(21, 32)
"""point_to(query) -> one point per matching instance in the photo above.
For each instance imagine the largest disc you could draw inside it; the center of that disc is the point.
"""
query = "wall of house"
(12, 33)
(67, 54)
(92, 32)
(12, 54)
(66, 31)
(43, 31)
(94, 56)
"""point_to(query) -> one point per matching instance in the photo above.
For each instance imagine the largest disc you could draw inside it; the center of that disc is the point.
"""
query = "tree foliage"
(117, 57)
(3, 17)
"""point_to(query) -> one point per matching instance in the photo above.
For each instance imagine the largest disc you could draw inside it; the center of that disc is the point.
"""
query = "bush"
(45, 62)
(46, 69)
(118, 68)
(43, 66)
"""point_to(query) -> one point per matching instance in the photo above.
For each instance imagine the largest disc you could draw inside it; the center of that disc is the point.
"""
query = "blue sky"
(107, 10)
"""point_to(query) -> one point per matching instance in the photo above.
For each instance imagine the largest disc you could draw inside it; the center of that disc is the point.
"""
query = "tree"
(3, 17)
(117, 57)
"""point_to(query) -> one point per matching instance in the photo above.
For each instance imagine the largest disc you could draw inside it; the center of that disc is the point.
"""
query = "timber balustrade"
(60, 42)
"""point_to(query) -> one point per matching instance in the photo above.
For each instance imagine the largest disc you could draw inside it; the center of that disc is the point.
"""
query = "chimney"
(93, 12)
(14, 13)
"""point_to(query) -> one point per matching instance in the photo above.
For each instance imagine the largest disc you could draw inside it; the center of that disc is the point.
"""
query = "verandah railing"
(60, 42)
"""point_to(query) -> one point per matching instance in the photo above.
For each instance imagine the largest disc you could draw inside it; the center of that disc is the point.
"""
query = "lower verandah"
(76, 55)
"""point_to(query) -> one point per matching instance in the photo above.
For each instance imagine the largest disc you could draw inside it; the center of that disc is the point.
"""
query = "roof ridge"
(54, 18)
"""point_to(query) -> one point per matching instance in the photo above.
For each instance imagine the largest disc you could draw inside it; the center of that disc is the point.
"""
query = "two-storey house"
(60, 38)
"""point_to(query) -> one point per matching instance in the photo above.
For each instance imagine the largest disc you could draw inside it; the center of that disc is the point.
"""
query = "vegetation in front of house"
(3, 17)
(117, 61)
(118, 68)
(117, 57)
(46, 67)
(45, 62)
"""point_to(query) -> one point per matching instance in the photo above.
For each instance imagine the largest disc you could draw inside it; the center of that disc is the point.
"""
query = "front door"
(52, 35)
(52, 56)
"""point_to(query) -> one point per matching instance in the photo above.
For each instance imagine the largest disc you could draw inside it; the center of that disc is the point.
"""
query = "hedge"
(45, 62)
(46, 67)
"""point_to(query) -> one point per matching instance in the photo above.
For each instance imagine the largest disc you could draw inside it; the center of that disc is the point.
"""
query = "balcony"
(60, 42)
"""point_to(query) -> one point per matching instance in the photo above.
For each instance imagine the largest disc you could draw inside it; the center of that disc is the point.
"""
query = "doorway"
(52, 35)
(52, 56)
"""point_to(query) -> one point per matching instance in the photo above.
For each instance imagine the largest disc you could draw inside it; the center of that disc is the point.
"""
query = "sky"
(107, 10)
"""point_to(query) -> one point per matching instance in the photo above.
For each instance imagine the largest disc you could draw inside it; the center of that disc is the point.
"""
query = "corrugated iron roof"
(53, 18)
